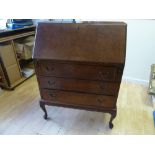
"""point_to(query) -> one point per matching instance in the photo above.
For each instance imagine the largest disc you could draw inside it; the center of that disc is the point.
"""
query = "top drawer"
(79, 71)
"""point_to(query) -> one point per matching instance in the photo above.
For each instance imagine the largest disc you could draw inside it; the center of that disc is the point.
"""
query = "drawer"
(87, 86)
(69, 70)
(78, 99)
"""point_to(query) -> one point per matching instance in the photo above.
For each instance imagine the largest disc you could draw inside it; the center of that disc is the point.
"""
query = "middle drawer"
(78, 71)
(87, 86)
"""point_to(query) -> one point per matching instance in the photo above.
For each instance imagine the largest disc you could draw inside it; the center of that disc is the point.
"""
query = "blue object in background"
(21, 21)
(18, 23)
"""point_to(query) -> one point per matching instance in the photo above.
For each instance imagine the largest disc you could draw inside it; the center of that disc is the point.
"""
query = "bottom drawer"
(81, 99)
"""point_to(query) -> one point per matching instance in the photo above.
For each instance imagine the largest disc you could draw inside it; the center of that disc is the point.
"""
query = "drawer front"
(68, 70)
(87, 86)
(81, 99)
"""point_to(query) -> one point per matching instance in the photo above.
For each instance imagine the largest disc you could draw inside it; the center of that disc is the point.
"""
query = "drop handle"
(52, 95)
(104, 74)
(51, 83)
(49, 69)
(99, 100)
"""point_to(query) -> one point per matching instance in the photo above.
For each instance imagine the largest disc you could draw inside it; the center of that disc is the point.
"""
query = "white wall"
(140, 52)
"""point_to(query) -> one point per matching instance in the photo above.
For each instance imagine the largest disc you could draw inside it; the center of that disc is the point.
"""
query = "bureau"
(80, 65)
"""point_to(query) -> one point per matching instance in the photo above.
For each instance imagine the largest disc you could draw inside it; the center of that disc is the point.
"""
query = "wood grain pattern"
(78, 71)
(92, 42)
(78, 99)
(85, 86)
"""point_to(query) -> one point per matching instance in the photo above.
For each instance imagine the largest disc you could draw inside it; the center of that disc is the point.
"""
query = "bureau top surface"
(84, 42)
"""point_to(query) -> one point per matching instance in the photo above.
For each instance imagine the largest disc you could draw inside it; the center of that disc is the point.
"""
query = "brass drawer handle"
(104, 74)
(51, 83)
(52, 94)
(99, 100)
(49, 69)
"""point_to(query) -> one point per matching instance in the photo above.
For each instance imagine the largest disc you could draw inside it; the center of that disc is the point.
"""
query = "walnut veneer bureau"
(80, 65)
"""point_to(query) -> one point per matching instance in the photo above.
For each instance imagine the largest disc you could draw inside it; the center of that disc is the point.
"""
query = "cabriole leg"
(113, 115)
(42, 105)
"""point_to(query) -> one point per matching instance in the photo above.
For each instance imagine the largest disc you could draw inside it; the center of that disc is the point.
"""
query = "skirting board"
(134, 80)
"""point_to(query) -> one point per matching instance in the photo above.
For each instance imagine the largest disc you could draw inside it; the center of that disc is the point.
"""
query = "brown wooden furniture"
(80, 65)
(10, 65)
